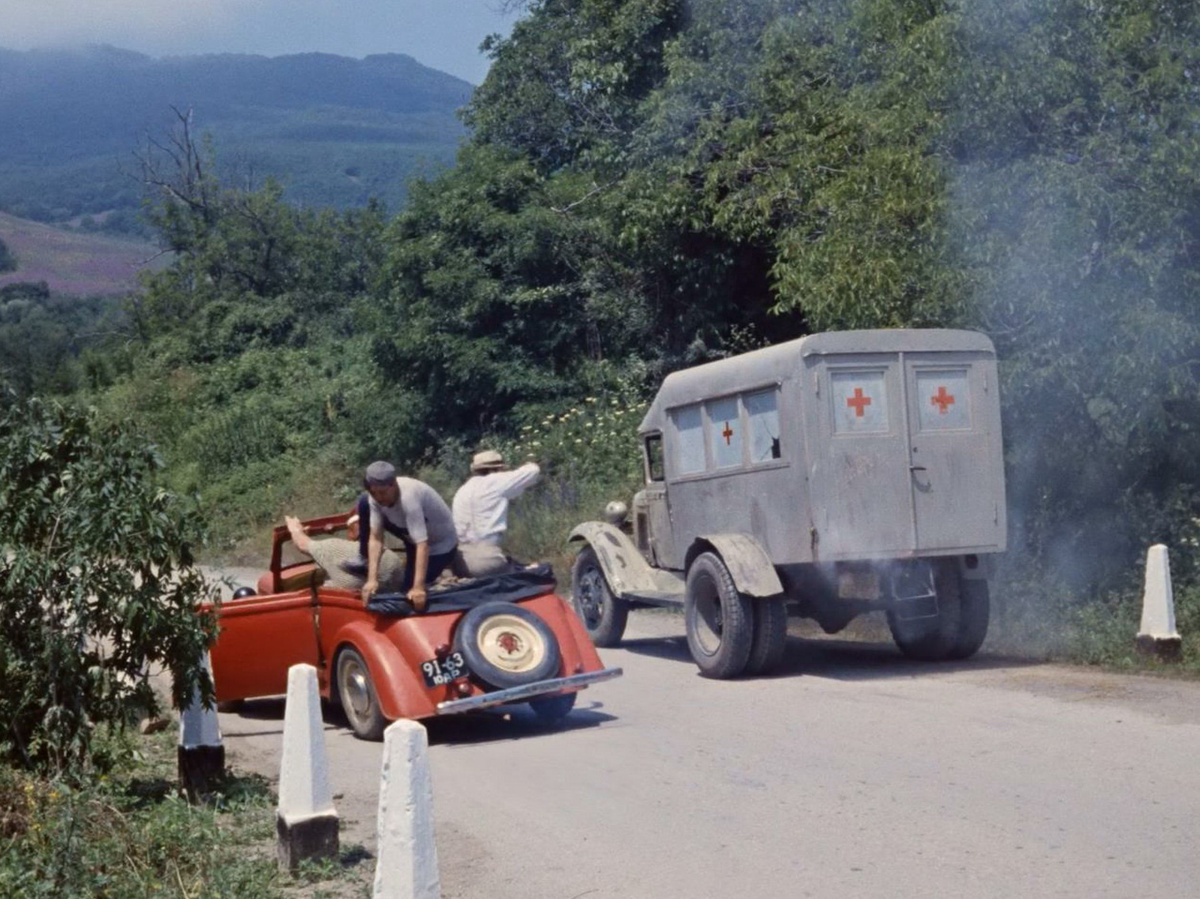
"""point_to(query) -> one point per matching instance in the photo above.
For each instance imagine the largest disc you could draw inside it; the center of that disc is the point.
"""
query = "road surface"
(853, 773)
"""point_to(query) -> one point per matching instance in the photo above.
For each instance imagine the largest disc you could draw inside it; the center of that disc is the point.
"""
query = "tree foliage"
(97, 583)
(650, 184)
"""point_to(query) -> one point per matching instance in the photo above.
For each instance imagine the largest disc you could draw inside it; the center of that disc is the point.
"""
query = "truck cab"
(828, 476)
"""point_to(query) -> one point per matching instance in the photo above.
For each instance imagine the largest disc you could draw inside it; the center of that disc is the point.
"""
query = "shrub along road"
(853, 772)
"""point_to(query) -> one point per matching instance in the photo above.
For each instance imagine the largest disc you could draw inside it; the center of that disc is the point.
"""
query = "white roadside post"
(406, 867)
(306, 823)
(201, 755)
(1157, 635)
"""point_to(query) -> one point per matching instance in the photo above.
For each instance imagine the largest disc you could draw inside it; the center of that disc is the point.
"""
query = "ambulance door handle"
(917, 468)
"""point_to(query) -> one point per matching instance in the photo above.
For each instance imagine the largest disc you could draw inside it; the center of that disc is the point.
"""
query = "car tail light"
(463, 688)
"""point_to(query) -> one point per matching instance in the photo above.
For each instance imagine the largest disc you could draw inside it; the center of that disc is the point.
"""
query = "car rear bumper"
(526, 691)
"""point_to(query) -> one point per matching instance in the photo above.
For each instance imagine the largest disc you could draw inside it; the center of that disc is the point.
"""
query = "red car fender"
(401, 692)
(578, 653)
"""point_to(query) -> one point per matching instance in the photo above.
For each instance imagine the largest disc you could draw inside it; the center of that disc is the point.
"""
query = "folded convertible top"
(523, 583)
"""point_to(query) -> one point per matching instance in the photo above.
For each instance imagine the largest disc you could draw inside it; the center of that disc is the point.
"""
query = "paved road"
(853, 774)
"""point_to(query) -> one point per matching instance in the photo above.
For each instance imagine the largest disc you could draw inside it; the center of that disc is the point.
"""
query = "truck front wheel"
(720, 621)
(603, 615)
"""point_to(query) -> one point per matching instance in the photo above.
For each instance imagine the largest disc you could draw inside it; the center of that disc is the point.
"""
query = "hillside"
(72, 262)
(335, 131)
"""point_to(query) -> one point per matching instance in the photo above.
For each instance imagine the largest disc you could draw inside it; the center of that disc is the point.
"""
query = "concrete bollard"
(201, 754)
(306, 823)
(407, 866)
(1157, 635)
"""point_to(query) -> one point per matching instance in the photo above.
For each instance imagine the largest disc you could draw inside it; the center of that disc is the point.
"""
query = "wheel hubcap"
(356, 689)
(511, 643)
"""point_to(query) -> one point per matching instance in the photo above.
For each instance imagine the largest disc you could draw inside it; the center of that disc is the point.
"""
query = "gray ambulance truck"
(828, 476)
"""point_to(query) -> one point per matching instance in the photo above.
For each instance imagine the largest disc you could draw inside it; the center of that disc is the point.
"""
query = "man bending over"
(413, 511)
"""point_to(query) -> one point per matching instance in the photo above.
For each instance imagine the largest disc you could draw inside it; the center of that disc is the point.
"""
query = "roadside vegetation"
(647, 185)
(650, 184)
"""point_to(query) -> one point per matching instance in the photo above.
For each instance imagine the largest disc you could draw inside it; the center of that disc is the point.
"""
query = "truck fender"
(752, 570)
(625, 569)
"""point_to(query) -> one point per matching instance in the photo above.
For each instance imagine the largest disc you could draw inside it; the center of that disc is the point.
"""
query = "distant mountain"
(334, 130)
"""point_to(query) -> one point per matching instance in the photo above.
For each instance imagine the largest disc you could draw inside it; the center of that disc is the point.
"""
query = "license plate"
(439, 672)
(858, 585)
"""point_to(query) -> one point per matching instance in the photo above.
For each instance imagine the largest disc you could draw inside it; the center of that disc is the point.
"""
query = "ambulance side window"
(725, 433)
(762, 421)
(689, 440)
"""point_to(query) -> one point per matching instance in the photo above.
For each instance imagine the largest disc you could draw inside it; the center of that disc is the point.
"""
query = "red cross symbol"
(858, 402)
(727, 433)
(942, 400)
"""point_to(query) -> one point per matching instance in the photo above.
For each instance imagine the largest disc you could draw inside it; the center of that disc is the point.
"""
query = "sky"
(442, 34)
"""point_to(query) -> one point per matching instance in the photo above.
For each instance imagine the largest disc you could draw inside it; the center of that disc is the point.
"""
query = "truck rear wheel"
(961, 623)
(603, 615)
(973, 623)
(770, 636)
(720, 621)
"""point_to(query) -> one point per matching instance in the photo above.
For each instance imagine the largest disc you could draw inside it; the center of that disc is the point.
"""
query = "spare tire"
(505, 645)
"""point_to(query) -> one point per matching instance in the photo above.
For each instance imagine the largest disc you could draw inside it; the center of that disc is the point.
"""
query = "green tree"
(97, 584)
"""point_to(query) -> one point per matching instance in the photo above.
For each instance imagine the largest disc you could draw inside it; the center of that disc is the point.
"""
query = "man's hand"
(369, 588)
(418, 597)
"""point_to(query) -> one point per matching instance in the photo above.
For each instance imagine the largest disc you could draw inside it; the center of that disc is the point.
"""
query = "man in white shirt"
(413, 510)
(481, 512)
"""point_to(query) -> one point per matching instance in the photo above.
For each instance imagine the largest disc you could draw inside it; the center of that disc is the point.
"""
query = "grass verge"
(128, 834)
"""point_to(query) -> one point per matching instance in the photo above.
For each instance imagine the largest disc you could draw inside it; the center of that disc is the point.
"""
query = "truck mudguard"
(748, 563)
(625, 569)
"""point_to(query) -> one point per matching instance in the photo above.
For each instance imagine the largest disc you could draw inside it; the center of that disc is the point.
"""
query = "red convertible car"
(480, 643)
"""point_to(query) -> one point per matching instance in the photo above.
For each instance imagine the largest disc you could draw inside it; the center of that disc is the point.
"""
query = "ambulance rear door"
(955, 452)
(857, 438)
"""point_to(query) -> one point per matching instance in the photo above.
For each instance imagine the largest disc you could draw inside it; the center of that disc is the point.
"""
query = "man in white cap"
(481, 512)
(412, 510)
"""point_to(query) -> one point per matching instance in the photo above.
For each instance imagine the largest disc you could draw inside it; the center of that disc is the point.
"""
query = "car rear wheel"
(506, 645)
(553, 709)
(603, 615)
(357, 694)
(720, 621)
(770, 636)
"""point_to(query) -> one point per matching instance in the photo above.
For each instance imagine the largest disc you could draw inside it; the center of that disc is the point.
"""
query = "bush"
(97, 583)
(130, 835)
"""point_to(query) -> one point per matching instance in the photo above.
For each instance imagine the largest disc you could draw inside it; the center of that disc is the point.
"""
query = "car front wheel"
(358, 697)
